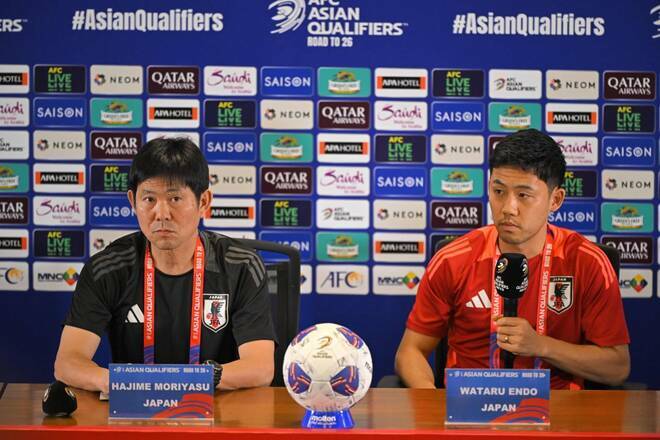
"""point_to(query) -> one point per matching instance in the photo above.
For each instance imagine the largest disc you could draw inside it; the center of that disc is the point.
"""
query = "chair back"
(284, 286)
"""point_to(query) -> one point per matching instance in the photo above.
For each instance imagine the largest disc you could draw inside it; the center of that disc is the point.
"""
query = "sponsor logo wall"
(365, 165)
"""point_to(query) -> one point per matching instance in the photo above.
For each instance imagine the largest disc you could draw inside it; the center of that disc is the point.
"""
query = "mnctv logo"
(173, 80)
(56, 276)
(396, 280)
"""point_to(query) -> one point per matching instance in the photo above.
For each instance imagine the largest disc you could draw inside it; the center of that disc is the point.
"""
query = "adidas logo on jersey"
(135, 315)
(479, 301)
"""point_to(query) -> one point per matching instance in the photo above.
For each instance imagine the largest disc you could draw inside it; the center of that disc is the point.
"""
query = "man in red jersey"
(579, 332)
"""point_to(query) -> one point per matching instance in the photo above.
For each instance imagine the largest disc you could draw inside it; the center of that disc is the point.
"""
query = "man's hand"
(517, 336)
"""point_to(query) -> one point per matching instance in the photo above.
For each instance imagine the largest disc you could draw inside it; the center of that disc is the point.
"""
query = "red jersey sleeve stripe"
(444, 256)
(459, 243)
(605, 266)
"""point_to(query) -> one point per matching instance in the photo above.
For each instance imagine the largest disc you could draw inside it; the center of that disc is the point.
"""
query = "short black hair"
(533, 151)
(178, 160)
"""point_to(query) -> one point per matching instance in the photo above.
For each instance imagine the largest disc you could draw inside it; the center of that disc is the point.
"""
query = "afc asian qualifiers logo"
(560, 294)
(215, 311)
(289, 15)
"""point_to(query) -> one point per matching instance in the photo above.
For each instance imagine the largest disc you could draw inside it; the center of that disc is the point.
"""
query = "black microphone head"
(59, 400)
(511, 273)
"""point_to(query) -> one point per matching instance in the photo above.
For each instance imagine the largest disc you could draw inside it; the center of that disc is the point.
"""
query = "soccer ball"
(327, 368)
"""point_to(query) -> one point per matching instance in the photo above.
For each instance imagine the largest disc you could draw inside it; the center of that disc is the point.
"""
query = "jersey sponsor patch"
(215, 311)
(560, 293)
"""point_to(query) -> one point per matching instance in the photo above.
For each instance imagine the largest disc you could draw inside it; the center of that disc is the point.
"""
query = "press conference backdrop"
(358, 131)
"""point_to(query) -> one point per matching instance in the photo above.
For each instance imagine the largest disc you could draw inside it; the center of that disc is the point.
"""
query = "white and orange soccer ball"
(327, 368)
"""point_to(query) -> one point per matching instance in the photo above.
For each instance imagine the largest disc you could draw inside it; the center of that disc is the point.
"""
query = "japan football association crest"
(215, 311)
(560, 294)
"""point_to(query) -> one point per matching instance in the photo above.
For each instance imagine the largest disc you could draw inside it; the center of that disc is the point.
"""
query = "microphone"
(511, 281)
(59, 400)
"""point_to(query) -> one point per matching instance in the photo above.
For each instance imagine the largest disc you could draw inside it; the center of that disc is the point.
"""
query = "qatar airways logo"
(401, 115)
(343, 181)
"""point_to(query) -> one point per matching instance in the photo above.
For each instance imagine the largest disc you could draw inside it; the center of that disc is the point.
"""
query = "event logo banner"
(59, 243)
(396, 280)
(344, 115)
(343, 247)
(457, 182)
(628, 118)
(59, 211)
(59, 145)
(283, 213)
(400, 115)
(632, 249)
(60, 79)
(349, 279)
(342, 214)
(636, 283)
(14, 78)
(399, 214)
(14, 112)
(629, 85)
(579, 216)
(230, 81)
(110, 178)
(280, 114)
(14, 243)
(14, 177)
(628, 184)
(287, 81)
(302, 241)
(342, 181)
(173, 113)
(54, 178)
(238, 180)
(174, 80)
(513, 116)
(458, 83)
(629, 151)
(14, 276)
(340, 82)
(231, 213)
(60, 112)
(571, 118)
(15, 144)
(99, 239)
(55, 276)
(286, 180)
(230, 147)
(457, 149)
(578, 150)
(572, 85)
(581, 184)
(114, 145)
(286, 147)
(394, 247)
(401, 83)
(116, 113)
(400, 181)
(514, 84)
(458, 116)
(116, 80)
(457, 215)
(111, 211)
(14, 210)
(343, 148)
(398, 148)
(628, 217)
(222, 113)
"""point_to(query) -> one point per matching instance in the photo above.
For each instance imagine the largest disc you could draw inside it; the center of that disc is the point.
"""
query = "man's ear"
(131, 198)
(557, 198)
(205, 201)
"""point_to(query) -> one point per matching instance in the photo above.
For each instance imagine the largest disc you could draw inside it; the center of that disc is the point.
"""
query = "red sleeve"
(603, 321)
(433, 305)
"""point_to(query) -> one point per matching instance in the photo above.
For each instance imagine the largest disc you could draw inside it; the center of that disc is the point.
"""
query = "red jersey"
(454, 299)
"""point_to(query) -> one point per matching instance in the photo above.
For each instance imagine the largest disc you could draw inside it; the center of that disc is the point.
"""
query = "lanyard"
(542, 309)
(195, 314)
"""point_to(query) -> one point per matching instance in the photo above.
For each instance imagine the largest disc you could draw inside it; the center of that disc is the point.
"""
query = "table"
(394, 413)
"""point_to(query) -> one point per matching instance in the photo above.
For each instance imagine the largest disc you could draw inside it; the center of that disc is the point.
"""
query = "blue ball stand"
(328, 420)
